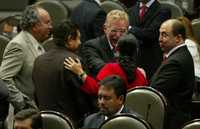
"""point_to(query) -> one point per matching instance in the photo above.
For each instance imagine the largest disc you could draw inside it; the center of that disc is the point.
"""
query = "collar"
(37, 46)
(174, 49)
(148, 4)
(98, 2)
(117, 113)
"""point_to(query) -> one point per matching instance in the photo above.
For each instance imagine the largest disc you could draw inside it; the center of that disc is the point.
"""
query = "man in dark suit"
(101, 50)
(175, 77)
(57, 88)
(145, 19)
(4, 103)
(111, 98)
(90, 17)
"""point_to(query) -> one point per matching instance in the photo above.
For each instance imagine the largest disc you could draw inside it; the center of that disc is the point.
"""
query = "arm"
(92, 56)
(90, 85)
(168, 78)
(10, 67)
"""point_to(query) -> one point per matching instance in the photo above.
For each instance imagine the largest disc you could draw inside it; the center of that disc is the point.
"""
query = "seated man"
(28, 119)
(111, 98)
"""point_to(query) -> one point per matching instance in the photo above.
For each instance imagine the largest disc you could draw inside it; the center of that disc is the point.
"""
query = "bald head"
(172, 34)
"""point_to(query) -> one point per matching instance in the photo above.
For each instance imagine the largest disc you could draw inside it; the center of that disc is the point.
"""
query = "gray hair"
(30, 17)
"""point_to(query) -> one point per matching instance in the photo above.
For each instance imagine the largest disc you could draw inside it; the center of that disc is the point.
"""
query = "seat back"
(194, 124)
(57, 10)
(196, 29)
(3, 43)
(149, 103)
(55, 120)
(109, 5)
(125, 121)
(175, 9)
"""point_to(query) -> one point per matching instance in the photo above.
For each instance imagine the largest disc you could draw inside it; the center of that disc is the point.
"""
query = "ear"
(179, 38)
(121, 99)
(104, 28)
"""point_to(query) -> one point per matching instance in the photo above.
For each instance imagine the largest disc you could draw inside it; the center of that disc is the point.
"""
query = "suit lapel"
(30, 44)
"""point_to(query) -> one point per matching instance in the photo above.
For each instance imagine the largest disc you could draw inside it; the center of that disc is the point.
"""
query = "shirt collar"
(148, 4)
(117, 113)
(174, 49)
(98, 2)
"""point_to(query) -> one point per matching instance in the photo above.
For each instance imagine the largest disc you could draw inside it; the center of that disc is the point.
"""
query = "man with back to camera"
(57, 88)
(111, 99)
(20, 53)
(175, 77)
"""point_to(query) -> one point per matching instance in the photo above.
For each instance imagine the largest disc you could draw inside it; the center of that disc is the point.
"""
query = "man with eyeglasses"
(101, 50)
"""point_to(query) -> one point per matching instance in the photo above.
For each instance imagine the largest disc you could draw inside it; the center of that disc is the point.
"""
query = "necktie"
(142, 11)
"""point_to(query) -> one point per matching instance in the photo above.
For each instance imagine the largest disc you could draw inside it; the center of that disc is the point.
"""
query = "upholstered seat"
(57, 10)
(149, 103)
(3, 43)
(175, 9)
(125, 121)
(55, 120)
(196, 29)
(194, 124)
(109, 5)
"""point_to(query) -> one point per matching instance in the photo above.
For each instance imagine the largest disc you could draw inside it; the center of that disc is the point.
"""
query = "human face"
(108, 102)
(43, 28)
(115, 29)
(23, 124)
(167, 39)
(73, 44)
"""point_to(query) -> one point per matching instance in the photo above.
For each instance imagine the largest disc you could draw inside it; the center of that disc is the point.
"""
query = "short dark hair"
(116, 83)
(32, 114)
(30, 17)
(178, 28)
(63, 30)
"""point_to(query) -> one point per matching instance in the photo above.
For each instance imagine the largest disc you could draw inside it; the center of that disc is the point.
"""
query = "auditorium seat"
(175, 9)
(194, 124)
(55, 120)
(109, 5)
(196, 29)
(3, 43)
(149, 103)
(57, 10)
(125, 121)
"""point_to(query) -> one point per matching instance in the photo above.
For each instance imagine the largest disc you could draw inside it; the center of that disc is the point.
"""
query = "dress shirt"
(117, 113)
(174, 49)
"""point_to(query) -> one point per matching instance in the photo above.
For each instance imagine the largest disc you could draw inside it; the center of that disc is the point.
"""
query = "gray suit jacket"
(16, 68)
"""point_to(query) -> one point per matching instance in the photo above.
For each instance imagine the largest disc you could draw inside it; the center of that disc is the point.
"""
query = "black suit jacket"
(96, 119)
(175, 80)
(147, 32)
(4, 103)
(96, 53)
(57, 88)
(90, 17)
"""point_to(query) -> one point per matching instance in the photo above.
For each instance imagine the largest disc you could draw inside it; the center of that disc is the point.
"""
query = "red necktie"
(142, 11)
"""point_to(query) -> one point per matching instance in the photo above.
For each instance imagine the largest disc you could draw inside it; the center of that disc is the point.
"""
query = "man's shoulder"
(96, 42)
(93, 116)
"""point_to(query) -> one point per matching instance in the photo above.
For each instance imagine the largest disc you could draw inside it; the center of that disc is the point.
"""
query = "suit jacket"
(3, 101)
(96, 53)
(175, 80)
(147, 32)
(90, 17)
(57, 88)
(16, 68)
(96, 119)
